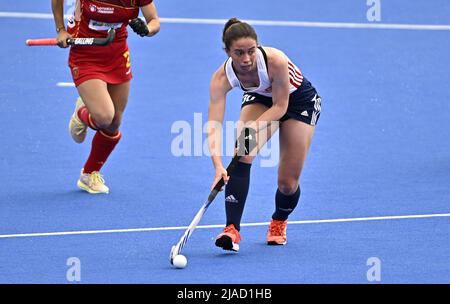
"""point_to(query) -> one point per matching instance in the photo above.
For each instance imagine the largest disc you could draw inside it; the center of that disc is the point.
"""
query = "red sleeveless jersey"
(93, 18)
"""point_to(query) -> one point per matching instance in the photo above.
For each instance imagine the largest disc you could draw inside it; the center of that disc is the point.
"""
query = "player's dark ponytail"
(235, 29)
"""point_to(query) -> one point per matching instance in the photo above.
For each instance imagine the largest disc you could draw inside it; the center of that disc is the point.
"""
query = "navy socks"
(236, 193)
(285, 204)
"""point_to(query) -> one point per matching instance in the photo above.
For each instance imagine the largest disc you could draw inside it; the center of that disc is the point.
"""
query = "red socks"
(102, 146)
(103, 143)
(84, 116)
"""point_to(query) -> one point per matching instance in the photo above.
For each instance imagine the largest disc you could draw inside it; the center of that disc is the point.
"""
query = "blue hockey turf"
(375, 184)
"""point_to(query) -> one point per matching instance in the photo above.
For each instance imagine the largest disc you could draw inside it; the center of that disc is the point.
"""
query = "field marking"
(356, 219)
(65, 84)
(347, 25)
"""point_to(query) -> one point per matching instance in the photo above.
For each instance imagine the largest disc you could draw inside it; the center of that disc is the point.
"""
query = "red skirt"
(110, 63)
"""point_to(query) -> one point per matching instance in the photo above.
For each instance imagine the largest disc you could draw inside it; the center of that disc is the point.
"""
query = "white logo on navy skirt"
(317, 103)
(317, 107)
(247, 98)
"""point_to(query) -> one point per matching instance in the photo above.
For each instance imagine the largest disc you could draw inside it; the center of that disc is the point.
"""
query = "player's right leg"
(237, 188)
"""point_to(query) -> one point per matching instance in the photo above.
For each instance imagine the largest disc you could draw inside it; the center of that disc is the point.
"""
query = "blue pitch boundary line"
(347, 25)
(343, 220)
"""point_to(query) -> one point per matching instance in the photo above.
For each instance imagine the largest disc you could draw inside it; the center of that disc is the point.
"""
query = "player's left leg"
(295, 140)
(107, 137)
(119, 94)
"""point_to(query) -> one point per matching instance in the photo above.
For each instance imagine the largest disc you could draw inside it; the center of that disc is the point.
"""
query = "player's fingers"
(133, 22)
(214, 185)
(225, 181)
(61, 40)
(225, 177)
(62, 44)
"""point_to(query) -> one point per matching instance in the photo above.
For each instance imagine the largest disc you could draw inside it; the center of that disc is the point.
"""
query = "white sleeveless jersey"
(265, 86)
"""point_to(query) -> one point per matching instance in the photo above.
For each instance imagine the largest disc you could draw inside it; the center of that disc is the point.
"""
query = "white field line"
(348, 25)
(65, 84)
(357, 219)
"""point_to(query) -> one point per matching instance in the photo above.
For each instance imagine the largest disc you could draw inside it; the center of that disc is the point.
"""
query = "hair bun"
(229, 23)
(235, 29)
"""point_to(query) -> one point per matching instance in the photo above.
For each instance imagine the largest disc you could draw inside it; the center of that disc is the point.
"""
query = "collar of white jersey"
(261, 64)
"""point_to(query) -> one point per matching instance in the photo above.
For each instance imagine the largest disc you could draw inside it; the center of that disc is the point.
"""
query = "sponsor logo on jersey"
(101, 9)
(103, 26)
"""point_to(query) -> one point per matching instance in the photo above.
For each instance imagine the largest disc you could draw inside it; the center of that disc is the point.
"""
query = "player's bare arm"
(58, 16)
(151, 17)
(219, 87)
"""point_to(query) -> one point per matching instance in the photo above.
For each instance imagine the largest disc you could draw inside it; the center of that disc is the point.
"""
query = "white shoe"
(92, 183)
(77, 128)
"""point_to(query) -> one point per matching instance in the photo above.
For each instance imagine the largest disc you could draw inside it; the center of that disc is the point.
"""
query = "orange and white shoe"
(276, 235)
(229, 239)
